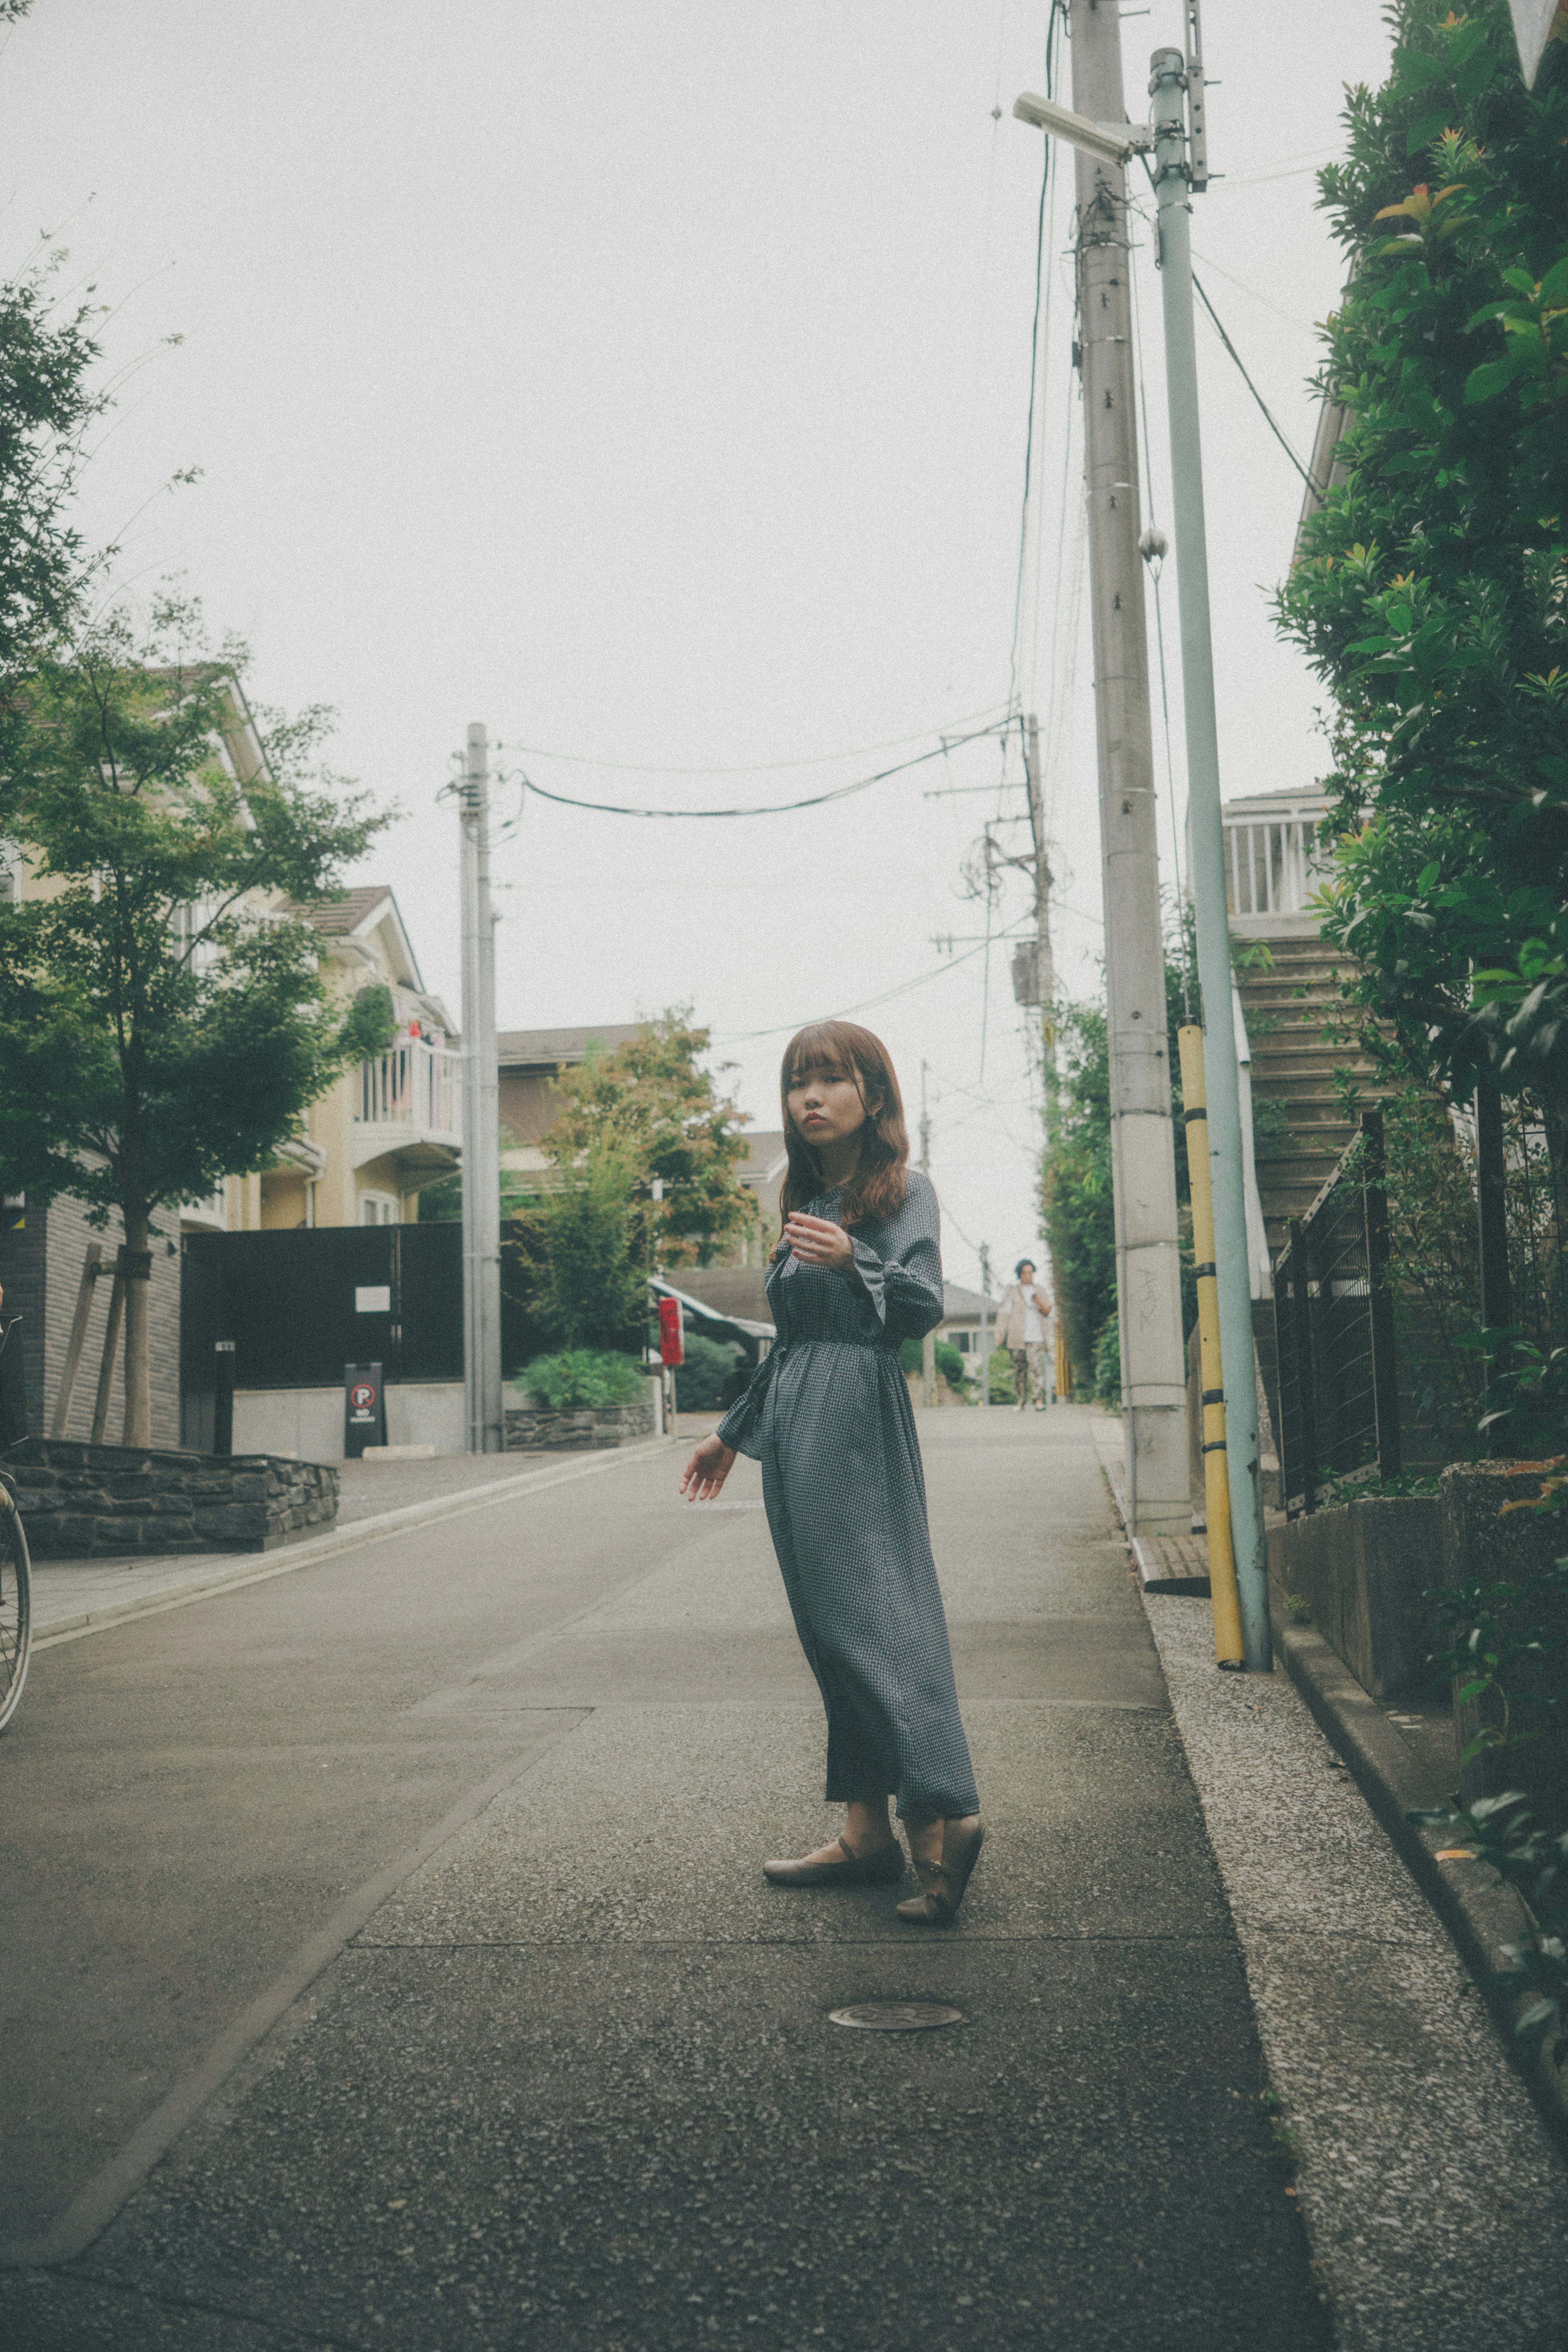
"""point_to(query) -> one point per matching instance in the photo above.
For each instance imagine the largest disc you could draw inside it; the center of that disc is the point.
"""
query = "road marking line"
(321, 1548)
(94, 2207)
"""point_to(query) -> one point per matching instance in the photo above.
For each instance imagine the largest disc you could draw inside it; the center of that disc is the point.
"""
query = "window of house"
(378, 1209)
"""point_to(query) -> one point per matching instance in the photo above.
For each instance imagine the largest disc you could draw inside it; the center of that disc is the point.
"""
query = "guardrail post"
(1380, 1296)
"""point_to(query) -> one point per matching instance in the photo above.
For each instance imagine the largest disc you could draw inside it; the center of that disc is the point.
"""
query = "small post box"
(364, 1409)
(672, 1333)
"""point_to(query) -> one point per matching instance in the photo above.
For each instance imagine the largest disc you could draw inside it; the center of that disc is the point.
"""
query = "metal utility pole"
(481, 1116)
(1223, 1124)
(928, 1345)
(1148, 1260)
(1044, 962)
(985, 1323)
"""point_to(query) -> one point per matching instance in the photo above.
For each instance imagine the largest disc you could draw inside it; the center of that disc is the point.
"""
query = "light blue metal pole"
(1208, 862)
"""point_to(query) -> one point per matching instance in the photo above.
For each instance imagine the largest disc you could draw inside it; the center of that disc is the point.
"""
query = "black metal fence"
(299, 1305)
(1333, 1318)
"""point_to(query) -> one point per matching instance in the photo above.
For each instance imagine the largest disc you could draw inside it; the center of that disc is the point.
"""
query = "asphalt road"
(384, 1960)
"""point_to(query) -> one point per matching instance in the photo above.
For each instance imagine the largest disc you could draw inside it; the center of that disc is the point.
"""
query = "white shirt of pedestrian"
(1033, 1328)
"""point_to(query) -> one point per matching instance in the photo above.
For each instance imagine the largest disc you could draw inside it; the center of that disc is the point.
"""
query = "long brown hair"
(839, 1049)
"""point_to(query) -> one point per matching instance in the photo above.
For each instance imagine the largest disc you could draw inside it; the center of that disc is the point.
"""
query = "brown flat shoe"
(944, 1882)
(882, 1867)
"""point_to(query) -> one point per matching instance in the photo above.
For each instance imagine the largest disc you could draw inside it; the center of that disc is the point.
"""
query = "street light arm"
(1111, 143)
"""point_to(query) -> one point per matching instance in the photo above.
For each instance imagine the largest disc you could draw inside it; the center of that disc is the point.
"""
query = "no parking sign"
(364, 1409)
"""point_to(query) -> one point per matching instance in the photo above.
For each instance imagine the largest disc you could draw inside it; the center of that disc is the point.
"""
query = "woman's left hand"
(817, 1242)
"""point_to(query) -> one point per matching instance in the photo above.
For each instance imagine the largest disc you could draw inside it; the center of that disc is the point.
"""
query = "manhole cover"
(895, 2016)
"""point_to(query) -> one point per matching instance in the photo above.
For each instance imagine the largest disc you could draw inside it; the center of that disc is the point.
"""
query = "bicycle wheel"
(15, 1605)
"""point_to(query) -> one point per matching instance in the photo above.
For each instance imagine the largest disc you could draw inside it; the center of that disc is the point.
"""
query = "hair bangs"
(842, 1049)
(816, 1053)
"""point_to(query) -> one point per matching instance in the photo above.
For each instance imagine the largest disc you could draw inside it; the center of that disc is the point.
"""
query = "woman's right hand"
(706, 1471)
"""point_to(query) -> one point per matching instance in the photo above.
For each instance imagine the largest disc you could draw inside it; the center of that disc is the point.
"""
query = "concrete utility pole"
(928, 1345)
(1148, 1264)
(481, 1116)
(1205, 823)
(985, 1323)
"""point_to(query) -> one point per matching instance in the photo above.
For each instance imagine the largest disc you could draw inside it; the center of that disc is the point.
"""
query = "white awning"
(701, 1313)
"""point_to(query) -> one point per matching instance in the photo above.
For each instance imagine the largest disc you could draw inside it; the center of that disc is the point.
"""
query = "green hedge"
(949, 1361)
(710, 1365)
(580, 1377)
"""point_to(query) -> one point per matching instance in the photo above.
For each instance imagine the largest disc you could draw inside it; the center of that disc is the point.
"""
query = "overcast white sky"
(651, 384)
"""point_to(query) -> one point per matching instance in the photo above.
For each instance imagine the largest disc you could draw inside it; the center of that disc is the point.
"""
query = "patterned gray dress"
(828, 1416)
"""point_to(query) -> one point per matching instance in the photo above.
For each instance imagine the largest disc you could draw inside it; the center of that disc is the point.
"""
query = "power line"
(788, 1028)
(1235, 355)
(772, 808)
(1043, 287)
(756, 768)
(1274, 429)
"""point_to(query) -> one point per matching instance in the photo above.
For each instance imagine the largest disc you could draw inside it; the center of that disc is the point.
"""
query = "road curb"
(249, 1568)
(1480, 1913)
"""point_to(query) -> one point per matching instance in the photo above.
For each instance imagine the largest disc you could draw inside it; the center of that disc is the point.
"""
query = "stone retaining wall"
(110, 1502)
(616, 1424)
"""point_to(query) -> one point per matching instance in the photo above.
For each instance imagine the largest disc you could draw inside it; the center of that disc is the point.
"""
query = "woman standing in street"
(856, 1271)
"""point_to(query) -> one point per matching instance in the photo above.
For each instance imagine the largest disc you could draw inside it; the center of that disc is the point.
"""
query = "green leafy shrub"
(581, 1254)
(949, 1361)
(700, 1380)
(1431, 592)
(580, 1378)
(1003, 1392)
(1108, 1362)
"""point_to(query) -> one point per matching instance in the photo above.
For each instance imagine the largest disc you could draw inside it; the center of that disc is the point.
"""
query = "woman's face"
(826, 1109)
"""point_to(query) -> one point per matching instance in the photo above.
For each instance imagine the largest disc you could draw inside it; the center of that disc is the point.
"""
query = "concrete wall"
(1362, 1572)
(309, 1423)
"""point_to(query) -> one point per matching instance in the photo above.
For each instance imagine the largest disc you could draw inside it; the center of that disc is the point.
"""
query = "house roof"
(555, 1049)
(765, 1154)
(961, 1306)
(343, 916)
(360, 911)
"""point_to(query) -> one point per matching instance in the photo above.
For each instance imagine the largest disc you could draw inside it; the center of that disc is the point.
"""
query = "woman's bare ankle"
(866, 1827)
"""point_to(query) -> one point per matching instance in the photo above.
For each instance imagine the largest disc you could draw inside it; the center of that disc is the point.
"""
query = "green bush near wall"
(700, 1380)
(580, 1379)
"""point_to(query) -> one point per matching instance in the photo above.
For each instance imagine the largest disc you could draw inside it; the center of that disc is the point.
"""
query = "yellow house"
(366, 1149)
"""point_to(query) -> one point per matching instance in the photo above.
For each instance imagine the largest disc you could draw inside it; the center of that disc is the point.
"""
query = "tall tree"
(1432, 595)
(48, 398)
(164, 1019)
(654, 1103)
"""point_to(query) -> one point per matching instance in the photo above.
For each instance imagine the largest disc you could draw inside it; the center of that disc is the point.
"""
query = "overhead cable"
(788, 1028)
(1274, 429)
(772, 808)
(753, 767)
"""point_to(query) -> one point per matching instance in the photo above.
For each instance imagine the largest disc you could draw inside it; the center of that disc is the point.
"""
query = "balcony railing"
(412, 1085)
(1272, 859)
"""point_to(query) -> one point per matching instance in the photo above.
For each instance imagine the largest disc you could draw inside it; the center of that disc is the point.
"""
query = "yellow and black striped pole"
(1228, 1646)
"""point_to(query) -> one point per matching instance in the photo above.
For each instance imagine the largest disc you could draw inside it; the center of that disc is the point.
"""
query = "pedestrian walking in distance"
(857, 1270)
(1022, 1328)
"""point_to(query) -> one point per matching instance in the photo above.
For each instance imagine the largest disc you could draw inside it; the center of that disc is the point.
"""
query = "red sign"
(362, 1395)
(672, 1332)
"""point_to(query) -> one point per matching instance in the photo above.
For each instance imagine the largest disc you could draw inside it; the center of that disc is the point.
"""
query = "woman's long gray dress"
(828, 1416)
